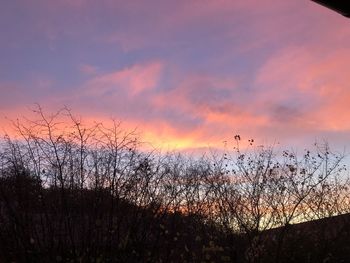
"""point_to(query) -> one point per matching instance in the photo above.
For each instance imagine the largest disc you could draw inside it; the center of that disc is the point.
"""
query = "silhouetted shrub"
(76, 193)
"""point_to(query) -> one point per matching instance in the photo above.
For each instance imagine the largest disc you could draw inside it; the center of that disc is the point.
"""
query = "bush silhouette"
(76, 193)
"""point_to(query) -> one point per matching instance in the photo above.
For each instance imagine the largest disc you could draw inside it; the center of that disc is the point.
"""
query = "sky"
(188, 74)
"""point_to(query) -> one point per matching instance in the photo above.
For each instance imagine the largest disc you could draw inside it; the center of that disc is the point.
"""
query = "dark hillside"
(48, 225)
(322, 240)
(55, 225)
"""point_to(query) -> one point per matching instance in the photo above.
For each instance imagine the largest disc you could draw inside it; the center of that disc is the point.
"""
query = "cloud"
(88, 69)
(312, 82)
(130, 81)
(187, 73)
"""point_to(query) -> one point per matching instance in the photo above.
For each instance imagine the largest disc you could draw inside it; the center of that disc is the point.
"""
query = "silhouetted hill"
(61, 225)
(50, 225)
(322, 240)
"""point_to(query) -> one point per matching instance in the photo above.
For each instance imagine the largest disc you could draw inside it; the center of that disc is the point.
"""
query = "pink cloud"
(88, 69)
(132, 81)
(298, 84)
(219, 105)
(317, 80)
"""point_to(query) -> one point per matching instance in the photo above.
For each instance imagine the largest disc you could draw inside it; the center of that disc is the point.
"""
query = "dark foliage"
(72, 193)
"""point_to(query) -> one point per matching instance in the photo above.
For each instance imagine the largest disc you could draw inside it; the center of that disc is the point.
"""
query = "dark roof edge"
(339, 7)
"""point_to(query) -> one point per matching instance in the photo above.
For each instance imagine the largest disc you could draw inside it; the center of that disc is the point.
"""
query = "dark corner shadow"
(340, 6)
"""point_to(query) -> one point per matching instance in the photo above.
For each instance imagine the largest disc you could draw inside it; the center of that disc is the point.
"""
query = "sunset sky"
(188, 74)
